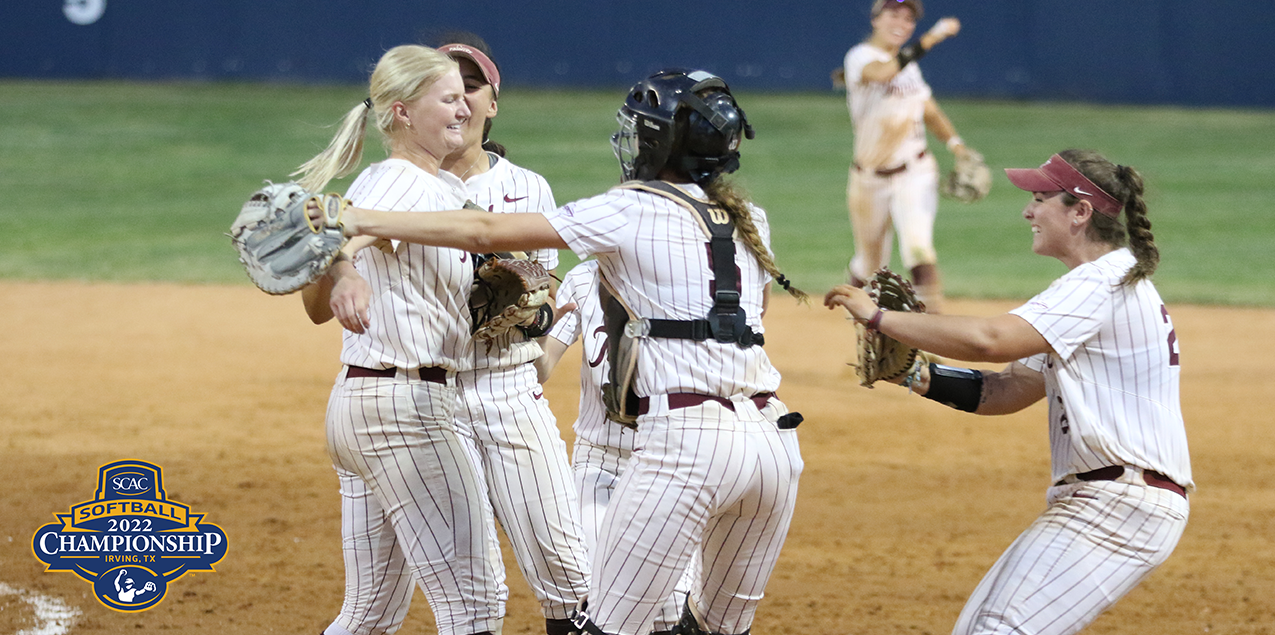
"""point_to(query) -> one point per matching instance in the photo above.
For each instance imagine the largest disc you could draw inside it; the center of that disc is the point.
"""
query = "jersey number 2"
(1173, 337)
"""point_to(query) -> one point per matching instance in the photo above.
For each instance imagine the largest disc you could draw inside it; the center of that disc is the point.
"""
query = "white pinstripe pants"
(1095, 543)
(516, 443)
(597, 471)
(704, 475)
(412, 501)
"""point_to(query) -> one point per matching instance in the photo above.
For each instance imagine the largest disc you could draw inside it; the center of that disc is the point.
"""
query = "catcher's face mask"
(625, 144)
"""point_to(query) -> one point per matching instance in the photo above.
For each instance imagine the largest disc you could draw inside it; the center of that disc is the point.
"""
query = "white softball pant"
(413, 503)
(706, 475)
(597, 471)
(905, 202)
(522, 455)
(1095, 543)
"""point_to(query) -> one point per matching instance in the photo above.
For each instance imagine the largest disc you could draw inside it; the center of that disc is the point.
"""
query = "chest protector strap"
(726, 322)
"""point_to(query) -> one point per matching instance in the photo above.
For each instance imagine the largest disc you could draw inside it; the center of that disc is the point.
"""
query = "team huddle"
(669, 513)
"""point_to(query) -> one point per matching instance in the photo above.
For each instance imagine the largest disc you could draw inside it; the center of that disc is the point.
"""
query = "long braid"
(729, 197)
(1141, 240)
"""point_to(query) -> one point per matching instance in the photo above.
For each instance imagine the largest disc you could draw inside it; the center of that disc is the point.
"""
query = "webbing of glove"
(507, 293)
(279, 245)
(882, 357)
(970, 179)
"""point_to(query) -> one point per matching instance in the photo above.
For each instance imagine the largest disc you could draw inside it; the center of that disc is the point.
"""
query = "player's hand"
(853, 299)
(943, 29)
(350, 217)
(350, 297)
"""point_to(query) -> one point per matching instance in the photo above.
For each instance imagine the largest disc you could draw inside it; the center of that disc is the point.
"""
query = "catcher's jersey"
(580, 286)
(1112, 380)
(420, 295)
(654, 252)
(889, 117)
(509, 189)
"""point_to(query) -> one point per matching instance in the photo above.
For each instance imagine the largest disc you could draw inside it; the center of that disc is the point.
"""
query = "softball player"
(407, 477)
(1098, 344)
(718, 464)
(893, 181)
(602, 447)
(511, 433)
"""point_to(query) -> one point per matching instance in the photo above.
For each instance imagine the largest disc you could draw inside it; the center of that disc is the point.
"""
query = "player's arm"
(1003, 338)
(341, 292)
(885, 71)
(473, 231)
(1008, 391)
(553, 350)
(938, 123)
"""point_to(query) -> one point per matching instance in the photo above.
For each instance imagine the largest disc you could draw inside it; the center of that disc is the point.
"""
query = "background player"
(1099, 346)
(893, 183)
(719, 463)
(412, 495)
(501, 410)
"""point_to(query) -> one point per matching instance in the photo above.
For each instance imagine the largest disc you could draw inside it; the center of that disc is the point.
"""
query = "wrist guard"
(542, 323)
(911, 53)
(960, 388)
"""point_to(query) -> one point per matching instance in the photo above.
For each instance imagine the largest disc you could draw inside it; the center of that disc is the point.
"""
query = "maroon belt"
(678, 400)
(1153, 479)
(427, 373)
(890, 171)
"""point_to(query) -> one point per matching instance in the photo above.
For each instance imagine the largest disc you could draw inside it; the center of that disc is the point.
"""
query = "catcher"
(894, 178)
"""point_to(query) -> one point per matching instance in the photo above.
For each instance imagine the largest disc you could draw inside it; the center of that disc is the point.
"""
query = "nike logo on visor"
(1076, 189)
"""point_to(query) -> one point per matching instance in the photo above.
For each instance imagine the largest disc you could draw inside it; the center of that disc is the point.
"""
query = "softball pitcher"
(715, 476)
(893, 181)
(1098, 344)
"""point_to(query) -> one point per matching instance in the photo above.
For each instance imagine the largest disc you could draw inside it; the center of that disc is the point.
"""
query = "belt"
(891, 171)
(1152, 479)
(678, 400)
(427, 373)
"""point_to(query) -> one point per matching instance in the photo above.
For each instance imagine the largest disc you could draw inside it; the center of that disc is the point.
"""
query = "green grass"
(130, 182)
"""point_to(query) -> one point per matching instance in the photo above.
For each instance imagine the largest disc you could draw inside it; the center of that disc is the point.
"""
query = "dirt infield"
(904, 503)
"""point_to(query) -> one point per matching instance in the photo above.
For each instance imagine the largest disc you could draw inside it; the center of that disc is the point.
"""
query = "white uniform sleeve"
(567, 328)
(1070, 311)
(859, 57)
(595, 225)
(546, 257)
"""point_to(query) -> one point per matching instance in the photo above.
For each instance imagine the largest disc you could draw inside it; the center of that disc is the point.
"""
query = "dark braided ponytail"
(729, 197)
(1125, 184)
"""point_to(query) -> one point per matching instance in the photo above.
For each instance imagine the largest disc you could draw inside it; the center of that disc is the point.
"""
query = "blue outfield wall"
(1122, 51)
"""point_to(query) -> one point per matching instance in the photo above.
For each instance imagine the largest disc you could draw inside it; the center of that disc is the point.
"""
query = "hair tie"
(783, 282)
(368, 103)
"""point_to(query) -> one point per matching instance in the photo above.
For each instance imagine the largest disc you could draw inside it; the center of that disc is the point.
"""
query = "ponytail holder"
(368, 103)
(783, 282)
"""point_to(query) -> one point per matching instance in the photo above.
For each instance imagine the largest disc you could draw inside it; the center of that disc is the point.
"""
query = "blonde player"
(407, 477)
(1099, 346)
(512, 434)
(716, 477)
(893, 183)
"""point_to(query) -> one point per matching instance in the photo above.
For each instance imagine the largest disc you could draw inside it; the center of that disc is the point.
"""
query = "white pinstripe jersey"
(889, 117)
(509, 189)
(1112, 380)
(654, 252)
(580, 286)
(419, 308)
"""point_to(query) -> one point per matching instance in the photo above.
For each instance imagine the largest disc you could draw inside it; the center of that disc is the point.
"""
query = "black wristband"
(544, 321)
(911, 53)
(960, 388)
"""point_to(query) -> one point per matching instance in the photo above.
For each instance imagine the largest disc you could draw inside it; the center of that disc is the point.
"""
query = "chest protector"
(726, 321)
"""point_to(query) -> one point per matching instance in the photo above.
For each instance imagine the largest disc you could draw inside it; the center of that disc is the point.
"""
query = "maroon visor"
(484, 63)
(1056, 175)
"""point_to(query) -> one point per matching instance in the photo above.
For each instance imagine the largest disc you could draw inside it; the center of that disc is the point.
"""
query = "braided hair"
(1125, 184)
(733, 200)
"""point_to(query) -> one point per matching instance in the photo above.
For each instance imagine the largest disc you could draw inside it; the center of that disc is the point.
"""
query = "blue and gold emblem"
(130, 542)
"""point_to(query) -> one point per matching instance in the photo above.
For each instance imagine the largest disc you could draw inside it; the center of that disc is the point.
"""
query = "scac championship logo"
(130, 542)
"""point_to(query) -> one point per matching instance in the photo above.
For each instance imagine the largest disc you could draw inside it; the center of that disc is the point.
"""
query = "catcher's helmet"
(683, 120)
